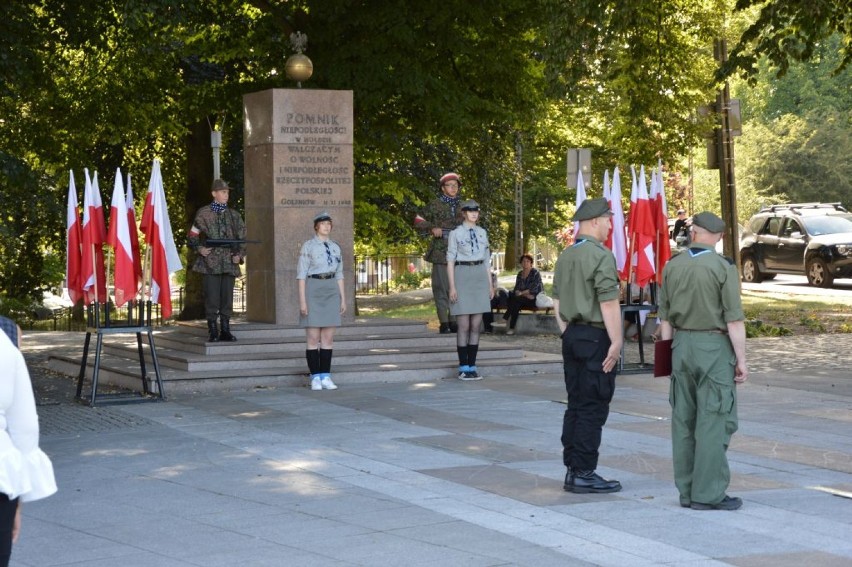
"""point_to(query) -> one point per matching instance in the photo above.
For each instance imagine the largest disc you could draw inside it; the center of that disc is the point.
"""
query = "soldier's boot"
(226, 335)
(444, 328)
(213, 337)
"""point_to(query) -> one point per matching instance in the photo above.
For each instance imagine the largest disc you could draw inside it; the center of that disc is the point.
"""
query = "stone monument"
(298, 162)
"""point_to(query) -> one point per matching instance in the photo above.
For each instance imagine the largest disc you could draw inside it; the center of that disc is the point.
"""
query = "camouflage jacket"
(438, 214)
(227, 224)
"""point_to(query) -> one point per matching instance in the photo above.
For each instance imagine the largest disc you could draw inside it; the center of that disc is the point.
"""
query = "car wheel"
(751, 273)
(818, 273)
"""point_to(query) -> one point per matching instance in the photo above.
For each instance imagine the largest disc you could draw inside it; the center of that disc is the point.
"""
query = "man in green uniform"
(436, 221)
(585, 299)
(700, 305)
(220, 265)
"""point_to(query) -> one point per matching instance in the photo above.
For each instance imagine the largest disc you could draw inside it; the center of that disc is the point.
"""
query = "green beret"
(470, 205)
(709, 222)
(592, 209)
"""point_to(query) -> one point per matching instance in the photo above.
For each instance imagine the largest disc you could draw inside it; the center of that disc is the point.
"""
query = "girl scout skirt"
(323, 297)
(472, 288)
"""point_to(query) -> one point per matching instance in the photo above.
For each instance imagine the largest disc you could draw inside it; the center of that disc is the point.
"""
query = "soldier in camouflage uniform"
(220, 265)
(436, 221)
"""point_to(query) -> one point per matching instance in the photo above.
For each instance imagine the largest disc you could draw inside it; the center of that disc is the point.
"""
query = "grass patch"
(770, 314)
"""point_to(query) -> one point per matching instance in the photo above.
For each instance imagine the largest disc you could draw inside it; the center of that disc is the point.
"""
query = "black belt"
(327, 276)
(714, 331)
(478, 262)
(590, 324)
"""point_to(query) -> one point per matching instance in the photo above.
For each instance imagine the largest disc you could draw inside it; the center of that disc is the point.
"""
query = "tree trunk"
(199, 165)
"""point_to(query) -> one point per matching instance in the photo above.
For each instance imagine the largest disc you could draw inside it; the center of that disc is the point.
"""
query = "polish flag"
(165, 259)
(618, 236)
(73, 242)
(134, 237)
(663, 251)
(124, 277)
(581, 196)
(94, 233)
(642, 230)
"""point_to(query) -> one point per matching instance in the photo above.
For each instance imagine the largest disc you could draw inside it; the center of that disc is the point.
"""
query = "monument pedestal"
(298, 163)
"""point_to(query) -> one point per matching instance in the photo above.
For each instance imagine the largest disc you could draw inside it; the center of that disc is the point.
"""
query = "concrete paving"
(440, 473)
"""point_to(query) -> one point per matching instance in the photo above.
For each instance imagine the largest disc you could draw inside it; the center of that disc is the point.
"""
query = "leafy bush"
(757, 328)
(407, 281)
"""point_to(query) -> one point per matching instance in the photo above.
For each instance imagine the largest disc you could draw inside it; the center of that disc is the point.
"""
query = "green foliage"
(408, 280)
(757, 328)
(786, 31)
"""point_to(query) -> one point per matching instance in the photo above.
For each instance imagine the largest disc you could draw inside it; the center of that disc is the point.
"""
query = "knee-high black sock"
(325, 360)
(471, 354)
(462, 350)
(313, 357)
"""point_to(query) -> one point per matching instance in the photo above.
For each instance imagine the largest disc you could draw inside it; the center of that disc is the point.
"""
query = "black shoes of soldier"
(589, 482)
(454, 328)
(444, 329)
(727, 503)
(212, 331)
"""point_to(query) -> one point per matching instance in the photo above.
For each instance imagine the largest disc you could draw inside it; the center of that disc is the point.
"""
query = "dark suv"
(814, 239)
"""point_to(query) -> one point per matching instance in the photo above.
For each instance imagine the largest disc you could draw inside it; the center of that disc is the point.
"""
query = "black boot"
(586, 482)
(453, 327)
(226, 335)
(214, 332)
(444, 329)
(568, 486)
(487, 322)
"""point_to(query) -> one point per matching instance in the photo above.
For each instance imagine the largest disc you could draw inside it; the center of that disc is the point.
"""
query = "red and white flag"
(581, 196)
(642, 230)
(94, 233)
(134, 236)
(618, 236)
(165, 259)
(663, 250)
(73, 242)
(124, 278)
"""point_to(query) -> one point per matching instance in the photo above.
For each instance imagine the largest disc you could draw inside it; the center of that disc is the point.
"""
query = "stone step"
(272, 345)
(369, 350)
(124, 373)
(380, 355)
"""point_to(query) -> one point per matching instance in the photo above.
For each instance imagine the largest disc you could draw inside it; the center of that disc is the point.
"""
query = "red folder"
(663, 358)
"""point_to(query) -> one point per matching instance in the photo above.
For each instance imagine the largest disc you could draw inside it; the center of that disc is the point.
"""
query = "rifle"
(227, 242)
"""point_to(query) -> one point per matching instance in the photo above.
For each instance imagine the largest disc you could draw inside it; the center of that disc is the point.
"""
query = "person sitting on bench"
(527, 286)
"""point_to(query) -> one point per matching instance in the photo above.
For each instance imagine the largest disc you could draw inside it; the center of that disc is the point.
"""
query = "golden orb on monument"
(298, 67)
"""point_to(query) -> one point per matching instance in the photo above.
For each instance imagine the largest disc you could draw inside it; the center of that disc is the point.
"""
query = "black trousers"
(7, 520)
(590, 391)
(218, 295)
(516, 303)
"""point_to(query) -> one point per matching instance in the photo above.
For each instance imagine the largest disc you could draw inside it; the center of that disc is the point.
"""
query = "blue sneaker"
(463, 370)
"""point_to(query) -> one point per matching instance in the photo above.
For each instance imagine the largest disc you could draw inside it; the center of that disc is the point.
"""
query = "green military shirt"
(585, 276)
(227, 224)
(438, 214)
(700, 291)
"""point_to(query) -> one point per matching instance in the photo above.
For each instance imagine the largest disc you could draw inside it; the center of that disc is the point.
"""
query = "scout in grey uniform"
(700, 305)
(321, 299)
(220, 265)
(437, 220)
(585, 299)
(469, 275)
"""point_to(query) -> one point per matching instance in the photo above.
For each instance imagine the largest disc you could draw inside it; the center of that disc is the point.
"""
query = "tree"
(786, 31)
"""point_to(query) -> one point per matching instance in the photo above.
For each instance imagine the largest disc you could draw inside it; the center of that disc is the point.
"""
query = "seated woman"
(527, 286)
(499, 301)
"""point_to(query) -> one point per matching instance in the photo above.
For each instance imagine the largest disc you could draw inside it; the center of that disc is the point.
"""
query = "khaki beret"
(709, 222)
(592, 209)
(470, 205)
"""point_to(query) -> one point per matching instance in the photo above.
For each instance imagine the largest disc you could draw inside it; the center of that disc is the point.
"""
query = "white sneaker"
(327, 383)
(316, 383)
(510, 331)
